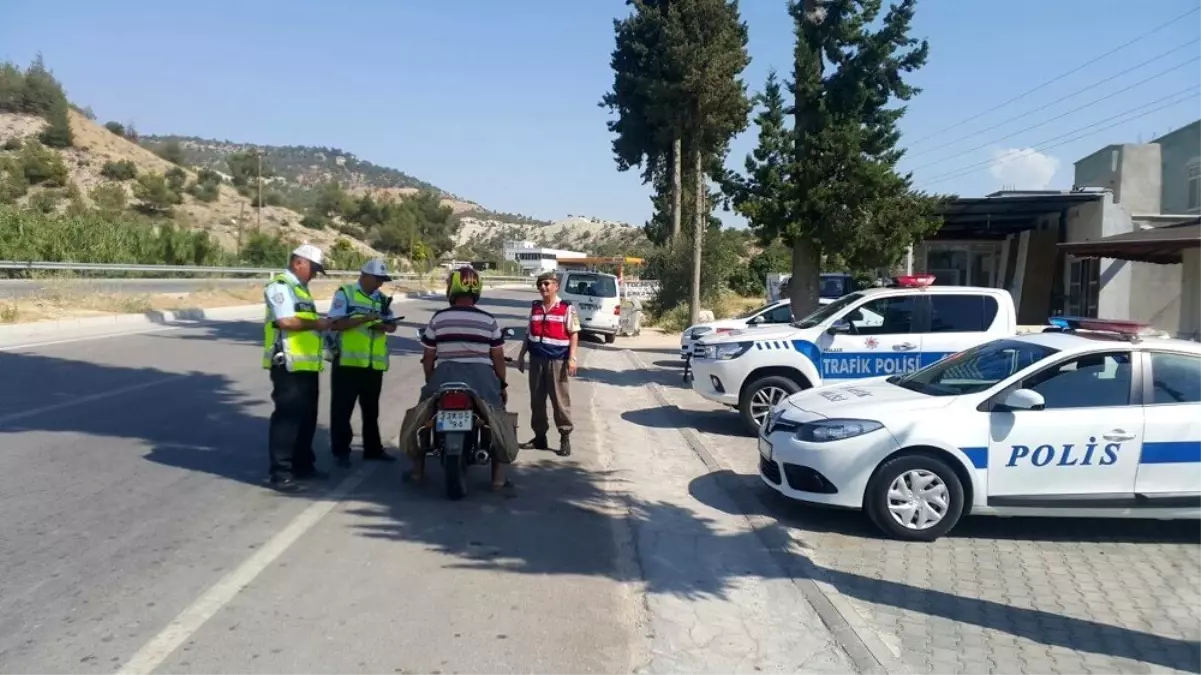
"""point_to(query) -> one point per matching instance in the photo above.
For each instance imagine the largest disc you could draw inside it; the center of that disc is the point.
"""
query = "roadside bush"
(42, 166)
(13, 184)
(116, 128)
(671, 264)
(176, 177)
(109, 199)
(155, 195)
(45, 201)
(122, 170)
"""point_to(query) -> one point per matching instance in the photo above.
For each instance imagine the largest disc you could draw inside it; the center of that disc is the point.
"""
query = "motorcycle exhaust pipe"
(481, 456)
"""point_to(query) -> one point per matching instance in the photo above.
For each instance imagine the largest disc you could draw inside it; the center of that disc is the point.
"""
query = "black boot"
(538, 443)
(564, 444)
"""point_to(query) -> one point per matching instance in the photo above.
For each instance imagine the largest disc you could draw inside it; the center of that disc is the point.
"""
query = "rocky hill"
(297, 171)
(99, 157)
(479, 236)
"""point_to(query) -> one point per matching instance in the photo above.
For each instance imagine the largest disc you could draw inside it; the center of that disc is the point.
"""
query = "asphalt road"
(136, 529)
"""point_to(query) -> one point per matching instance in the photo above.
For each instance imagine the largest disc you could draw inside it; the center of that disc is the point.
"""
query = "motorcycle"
(459, 434)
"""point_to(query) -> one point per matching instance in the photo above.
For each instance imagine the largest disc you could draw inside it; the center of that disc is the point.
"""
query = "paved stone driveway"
(997, 595)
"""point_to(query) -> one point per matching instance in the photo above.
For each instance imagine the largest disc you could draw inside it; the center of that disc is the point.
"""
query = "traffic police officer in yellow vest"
(360, 320)
(292, 351)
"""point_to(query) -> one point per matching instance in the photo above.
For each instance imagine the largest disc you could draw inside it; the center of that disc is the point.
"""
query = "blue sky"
(496, 100)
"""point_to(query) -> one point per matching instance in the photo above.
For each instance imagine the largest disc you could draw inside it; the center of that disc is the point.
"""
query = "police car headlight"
(835, 430)
(727, 351)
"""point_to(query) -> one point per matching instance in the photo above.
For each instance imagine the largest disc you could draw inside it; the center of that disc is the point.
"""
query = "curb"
(868, 652)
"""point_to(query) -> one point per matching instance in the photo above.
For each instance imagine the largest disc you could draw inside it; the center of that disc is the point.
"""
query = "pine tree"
(829, 184)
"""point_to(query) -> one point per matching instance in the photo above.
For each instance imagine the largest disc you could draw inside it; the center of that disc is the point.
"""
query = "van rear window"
(590, 284)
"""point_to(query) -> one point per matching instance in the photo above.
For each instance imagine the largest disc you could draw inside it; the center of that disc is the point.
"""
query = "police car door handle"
(1118, 435)
(904, 346)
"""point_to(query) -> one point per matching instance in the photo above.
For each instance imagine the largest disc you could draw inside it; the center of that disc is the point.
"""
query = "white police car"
(772, 314)
(872, 332)
(1094, 420)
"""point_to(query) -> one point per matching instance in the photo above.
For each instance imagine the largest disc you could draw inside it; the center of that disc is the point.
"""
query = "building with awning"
(1024, 241)
(1173, 244)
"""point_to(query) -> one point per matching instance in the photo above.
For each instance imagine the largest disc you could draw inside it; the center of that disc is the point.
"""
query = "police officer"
(551, 339)
(292, 351)
(360, 318)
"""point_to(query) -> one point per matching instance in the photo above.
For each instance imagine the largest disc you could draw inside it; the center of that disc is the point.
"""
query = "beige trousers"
(549, 379)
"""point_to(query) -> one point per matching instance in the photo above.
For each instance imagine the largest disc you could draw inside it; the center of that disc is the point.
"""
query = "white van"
(597, 298)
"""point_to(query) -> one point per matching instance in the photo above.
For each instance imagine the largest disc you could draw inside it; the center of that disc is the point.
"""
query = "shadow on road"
(562, 519)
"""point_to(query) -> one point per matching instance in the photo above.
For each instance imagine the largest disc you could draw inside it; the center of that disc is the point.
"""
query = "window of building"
(1084, 281)
(1194, 185)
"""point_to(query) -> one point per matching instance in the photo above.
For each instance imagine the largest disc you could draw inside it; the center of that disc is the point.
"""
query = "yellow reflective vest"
(301, 349)
(361, 347)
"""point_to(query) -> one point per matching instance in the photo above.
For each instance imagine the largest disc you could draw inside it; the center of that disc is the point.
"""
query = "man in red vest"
(551, 340)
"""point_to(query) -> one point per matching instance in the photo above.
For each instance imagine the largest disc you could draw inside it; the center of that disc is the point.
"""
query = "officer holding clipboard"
(360, 321)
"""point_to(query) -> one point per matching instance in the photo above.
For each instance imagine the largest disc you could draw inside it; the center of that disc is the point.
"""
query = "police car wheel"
(761, 396)
(914, 498)
(609, 338)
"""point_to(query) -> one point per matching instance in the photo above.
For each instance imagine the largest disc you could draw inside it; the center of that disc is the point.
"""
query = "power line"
(1057, 78)
(1061, 115)
(1047, 144)
(1060, 99)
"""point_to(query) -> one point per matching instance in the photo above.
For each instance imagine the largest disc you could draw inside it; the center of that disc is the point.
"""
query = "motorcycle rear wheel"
(454, 469)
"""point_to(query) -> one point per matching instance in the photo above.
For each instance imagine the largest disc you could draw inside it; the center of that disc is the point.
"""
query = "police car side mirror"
(840, 327)
(509, 333)
(1023, 399)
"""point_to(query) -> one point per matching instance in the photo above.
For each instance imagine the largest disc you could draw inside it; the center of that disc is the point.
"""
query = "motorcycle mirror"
(509, 332)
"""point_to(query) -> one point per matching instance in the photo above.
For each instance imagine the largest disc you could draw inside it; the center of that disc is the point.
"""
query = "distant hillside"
(480, 238)
(97, 156)
(297, 171)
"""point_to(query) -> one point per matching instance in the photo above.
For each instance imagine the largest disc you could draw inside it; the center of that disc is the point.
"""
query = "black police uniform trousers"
(351, 386)
(293, 422)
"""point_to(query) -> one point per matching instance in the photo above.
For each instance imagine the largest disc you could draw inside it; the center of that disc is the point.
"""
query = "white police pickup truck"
(1095, 420)
(872, 332)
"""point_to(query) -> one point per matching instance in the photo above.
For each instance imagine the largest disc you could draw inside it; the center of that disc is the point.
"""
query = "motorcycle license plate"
(765, 448)
(454, 420)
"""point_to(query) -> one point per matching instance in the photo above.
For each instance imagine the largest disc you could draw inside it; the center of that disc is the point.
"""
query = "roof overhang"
(1004, 213)
(1162, 245)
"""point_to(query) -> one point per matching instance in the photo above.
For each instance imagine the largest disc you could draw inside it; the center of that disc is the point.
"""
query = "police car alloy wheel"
(761, 396)
(914, 497)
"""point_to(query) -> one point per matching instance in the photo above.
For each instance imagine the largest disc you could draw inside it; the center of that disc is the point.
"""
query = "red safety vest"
(547, 334)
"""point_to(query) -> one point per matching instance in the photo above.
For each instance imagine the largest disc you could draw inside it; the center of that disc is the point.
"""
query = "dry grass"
(57, 301)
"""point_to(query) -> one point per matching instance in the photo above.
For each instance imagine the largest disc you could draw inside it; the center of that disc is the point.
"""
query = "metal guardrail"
(186, 269)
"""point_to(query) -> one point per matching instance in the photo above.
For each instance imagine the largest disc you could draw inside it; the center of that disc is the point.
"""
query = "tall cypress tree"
(829, 184)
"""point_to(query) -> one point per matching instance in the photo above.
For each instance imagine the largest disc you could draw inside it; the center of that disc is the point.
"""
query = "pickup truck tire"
(761, 395)
(930, 486)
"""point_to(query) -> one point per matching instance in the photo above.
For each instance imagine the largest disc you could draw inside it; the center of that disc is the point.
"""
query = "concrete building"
(1012, 239)
(535, 259)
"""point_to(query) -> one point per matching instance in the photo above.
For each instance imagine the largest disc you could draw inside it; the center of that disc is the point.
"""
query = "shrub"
(122, 170)
(155, 195)
(42, 166)
(109, 198)
(12, 144)
(116, 128)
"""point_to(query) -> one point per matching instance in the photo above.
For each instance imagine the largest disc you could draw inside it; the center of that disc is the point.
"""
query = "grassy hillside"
(298, 172)
(480, 238)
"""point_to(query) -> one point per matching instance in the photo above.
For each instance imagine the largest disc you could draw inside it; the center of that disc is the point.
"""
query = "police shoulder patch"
(277, 296)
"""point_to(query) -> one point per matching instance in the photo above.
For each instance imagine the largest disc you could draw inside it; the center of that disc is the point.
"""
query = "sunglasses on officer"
(545, 283)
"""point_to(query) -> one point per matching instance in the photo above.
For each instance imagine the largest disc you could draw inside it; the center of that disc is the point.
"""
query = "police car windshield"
(973, 370)
(825, 312)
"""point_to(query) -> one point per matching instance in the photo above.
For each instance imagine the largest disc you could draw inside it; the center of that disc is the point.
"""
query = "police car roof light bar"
(1127, 329)
(915, 280)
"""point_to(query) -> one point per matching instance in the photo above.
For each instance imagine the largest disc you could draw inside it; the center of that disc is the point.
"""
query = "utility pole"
(241, 212)
(259, 224)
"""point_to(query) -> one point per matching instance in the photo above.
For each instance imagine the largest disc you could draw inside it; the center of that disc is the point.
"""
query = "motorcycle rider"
(464, 343)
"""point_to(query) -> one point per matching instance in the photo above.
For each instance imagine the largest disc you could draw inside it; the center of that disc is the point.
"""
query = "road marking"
(89, 337)
(161, 646)
(89, 398)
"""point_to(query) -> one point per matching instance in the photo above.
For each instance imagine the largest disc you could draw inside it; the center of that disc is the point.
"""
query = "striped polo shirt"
(463, 334)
